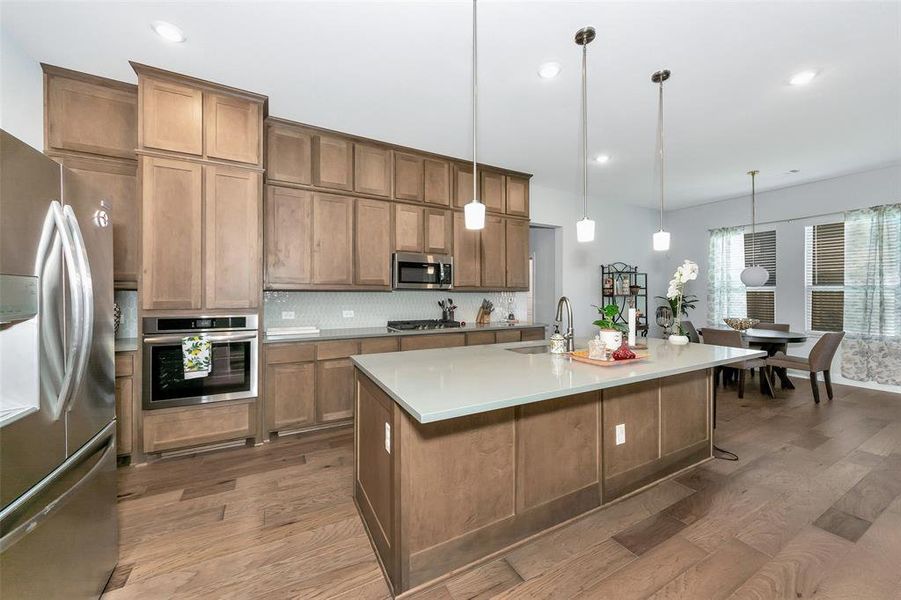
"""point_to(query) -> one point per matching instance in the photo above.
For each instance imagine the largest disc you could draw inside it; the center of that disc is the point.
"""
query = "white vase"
(678, 340)
(612, 338)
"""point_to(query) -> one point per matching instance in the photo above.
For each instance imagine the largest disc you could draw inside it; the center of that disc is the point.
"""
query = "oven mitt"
(195, 352)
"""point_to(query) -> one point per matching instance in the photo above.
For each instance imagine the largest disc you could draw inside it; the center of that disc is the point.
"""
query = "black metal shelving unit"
(618, 282)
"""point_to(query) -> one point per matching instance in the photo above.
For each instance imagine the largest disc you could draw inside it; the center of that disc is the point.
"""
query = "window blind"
(760, 248)
(761, 305)
(828, 254)
(824, 249)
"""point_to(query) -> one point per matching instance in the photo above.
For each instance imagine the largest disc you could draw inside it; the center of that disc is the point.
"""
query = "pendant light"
(585, 226)
(661, 238)
(755, 275)
(474, 211)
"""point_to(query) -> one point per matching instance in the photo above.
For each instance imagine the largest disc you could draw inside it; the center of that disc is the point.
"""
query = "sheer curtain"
(725, 262)
(872, 347)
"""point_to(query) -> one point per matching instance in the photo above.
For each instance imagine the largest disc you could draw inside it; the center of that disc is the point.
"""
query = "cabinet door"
(517, 254)
(408, 233)
(437, 181)
(288, 219)
(372, 170)
(507, 336)
(494, 254)
(334, 390)
(467, 253)
(372, 243)
(233, 128)
(333, 222)
(333, 162)
(517, 196)
(462, 184)
(88, 117)
(439, 231)
(124, 396)
(493, 190)
(172, 209)
(408, 177)
(290, 395)
(116, 182)
(533, 334)
(171, 116)
(289, 155)
(232, 234)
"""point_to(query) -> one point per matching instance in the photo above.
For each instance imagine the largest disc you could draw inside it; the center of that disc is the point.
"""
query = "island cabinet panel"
(467, 254)
(290, 395)
(437, 181)
(462, 184)
(289, 155)
(493, 190)
(334, 390)
(288, 218)
(572, 423)
(171, 116)
(333, 223)
(636, 408)
(408, 230)
(437, 340)
(517, 248)
(233, 128)
(517, 196)
(372, 170)
(333, 162)
(172, 233)
(684, 414)
(408, 177)
(439, 231)
(494, 253)
(372, 243)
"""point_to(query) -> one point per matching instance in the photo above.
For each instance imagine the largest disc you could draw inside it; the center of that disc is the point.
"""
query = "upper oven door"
(233, 372)
(422, 271)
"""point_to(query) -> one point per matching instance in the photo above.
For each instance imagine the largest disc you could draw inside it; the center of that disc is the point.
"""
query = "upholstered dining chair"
(773, 326)
(691, 332)
(732, 339)
(819, 360)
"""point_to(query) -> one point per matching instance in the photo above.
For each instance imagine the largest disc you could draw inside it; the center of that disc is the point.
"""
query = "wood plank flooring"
(812, 510)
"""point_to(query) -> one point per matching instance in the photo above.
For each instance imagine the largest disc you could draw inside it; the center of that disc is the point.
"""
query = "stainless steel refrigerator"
(58, 527)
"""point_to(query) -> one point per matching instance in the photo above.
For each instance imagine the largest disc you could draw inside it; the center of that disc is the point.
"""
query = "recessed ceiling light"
(602, 158)
(802, 78)
(168, 31)
(549, 70)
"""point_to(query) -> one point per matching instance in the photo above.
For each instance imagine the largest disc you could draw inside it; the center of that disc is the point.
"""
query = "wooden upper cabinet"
(333, 221)
(408, 231)
(462, 184)
(333, 162)
(372, 243)
(372, 170)
(517, 253)
(289, 155)
(172, 211)
(517, 196)
(439, 231)
(171, 116)
(467, 253)
(288, 219)
(232, 236)
(93, 115)
(233, 128)
(494, 253)
(437, 181)
(493, 190)
(408, 176)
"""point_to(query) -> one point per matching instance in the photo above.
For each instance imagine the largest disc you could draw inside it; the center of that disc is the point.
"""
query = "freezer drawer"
(62, 541)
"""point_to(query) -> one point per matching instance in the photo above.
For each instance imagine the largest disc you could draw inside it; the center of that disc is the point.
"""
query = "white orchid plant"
(687, 271)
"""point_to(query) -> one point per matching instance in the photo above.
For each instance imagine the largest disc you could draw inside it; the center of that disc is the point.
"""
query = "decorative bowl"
(741, 324)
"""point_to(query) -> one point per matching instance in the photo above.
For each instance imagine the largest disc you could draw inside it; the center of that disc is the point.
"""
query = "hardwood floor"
(812, 510)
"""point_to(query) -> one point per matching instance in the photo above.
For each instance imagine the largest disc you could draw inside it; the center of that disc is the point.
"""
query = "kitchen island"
(463, 452)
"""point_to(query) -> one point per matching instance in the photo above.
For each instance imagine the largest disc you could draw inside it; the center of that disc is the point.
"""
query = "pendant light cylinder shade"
(474, 215)
(661, 241)
(585, 230)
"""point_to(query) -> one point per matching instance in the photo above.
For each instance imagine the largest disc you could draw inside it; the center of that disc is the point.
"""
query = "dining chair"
(691, 332)
(819, 360)
(773, 326)
(732, 339)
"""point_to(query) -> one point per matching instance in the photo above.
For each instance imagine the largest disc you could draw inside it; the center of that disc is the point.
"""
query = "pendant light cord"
(660, 155)
(753, 175)
(475, 98)
(584, 131)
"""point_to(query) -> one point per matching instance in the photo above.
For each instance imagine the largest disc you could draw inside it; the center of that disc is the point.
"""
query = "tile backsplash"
(128, 304)
(326, 310)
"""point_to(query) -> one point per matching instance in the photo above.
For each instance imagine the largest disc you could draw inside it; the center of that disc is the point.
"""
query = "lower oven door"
(233, 371)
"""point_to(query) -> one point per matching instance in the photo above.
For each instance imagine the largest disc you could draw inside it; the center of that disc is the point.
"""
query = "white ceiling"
(400, 72)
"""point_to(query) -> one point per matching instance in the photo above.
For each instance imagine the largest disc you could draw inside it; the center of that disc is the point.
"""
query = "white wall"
(690, 234)
(21, 93)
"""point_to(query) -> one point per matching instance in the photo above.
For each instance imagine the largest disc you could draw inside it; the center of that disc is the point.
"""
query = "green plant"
(608, 321)
(688, 303)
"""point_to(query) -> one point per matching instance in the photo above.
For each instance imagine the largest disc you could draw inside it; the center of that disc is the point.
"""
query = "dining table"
(771, 341)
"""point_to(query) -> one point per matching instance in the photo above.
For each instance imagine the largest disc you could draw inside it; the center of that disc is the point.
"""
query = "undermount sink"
(530, 350)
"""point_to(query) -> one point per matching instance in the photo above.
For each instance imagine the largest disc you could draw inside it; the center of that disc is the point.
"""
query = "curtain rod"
(827, 214)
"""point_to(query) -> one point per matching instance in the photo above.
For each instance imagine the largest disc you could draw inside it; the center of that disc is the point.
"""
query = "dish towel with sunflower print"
(195, 352)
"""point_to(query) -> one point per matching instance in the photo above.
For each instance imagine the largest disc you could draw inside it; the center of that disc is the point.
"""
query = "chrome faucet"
(568, 336)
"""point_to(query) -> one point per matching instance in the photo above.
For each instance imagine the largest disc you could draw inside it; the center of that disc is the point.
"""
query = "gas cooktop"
(422, 324)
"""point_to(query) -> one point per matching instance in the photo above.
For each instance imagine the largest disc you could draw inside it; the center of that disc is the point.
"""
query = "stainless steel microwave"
(413, 271)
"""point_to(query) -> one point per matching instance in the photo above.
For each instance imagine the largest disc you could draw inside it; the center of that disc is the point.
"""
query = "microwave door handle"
(86, 293)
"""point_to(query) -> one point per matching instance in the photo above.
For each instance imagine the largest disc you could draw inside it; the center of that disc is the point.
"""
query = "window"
(760, 249)
(824, 271)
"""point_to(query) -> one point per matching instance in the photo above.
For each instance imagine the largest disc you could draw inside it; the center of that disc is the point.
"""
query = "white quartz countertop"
(444, 383)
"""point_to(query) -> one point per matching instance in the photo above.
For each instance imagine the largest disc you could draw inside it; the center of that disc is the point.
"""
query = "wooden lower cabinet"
(507, 336)
(290, 395)
(334, 390)
(480, 338)
(437, 340)
(124, 402)
(533, 334)
(172, 428)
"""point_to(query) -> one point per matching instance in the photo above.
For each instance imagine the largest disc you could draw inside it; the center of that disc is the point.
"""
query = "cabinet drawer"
(193, 426)
(441, 340)
(480, 338)
(342, 349)
(376, 345)
(534, 334)
(286, 353)
(125, 362)
(504, 337)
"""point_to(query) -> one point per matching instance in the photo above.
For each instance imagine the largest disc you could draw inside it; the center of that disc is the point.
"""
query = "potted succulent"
(687, 271)
(611, 332)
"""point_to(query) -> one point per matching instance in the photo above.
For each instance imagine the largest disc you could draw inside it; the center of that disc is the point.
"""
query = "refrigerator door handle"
(86, 293)
(106, 437)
